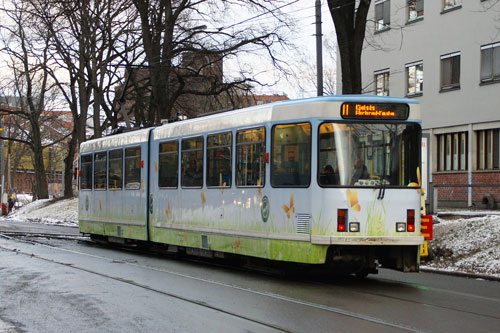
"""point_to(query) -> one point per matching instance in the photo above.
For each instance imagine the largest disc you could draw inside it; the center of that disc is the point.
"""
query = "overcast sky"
(304, 38)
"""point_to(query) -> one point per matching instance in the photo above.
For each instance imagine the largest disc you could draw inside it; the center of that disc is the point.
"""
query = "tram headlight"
(400, 227)
(354, 227)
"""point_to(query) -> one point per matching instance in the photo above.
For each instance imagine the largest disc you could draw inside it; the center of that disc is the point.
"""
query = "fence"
(457, 196)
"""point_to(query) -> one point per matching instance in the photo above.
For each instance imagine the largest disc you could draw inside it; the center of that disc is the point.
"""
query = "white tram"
(328, 180)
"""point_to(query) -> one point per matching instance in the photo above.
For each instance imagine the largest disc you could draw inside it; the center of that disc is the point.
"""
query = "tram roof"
(288, 110)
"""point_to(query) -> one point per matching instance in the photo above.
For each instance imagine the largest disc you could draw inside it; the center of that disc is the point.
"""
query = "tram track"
(30, 238)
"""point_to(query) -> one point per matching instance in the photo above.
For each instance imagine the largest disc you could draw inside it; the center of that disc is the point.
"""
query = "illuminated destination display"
(374, 111)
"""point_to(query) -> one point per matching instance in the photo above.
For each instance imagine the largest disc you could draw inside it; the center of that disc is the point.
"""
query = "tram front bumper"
(360, 240)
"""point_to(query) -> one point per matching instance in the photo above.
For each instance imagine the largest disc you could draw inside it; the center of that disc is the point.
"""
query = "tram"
(330, 181)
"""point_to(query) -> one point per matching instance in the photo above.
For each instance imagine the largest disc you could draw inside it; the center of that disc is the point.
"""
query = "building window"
(100, 170)
(415, 78)
(488, 149)
(452, 151)
(219, 159)
(382, 83)
(169, 164)
(250, 157)
(449, 4)
(382, 15)
(133, 168)
(291, 160)
(115, 169)
(490, 63)
(415, 9)
(450, 71)
(192, 162)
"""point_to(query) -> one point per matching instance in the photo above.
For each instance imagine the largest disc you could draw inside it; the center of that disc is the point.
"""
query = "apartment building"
(446, 55)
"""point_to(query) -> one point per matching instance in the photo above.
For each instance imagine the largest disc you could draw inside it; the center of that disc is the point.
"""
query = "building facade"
(454, 47)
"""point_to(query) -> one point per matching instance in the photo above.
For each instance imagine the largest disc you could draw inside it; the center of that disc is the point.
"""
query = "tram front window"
(368, 154)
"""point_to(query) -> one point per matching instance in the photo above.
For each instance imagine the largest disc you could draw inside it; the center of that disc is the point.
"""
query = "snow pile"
(48, 211)
(470, 245)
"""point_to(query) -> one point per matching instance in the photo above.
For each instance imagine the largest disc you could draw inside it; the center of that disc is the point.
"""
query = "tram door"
(291, 175)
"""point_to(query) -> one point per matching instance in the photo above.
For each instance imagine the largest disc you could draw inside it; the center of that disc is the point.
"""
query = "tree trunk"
(68, 167)
(350, 26)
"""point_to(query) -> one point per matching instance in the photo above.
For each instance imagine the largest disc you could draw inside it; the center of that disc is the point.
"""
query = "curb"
(460, 274)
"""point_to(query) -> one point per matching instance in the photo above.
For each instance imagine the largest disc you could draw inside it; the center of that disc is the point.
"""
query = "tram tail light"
(341, 220)
(410, 220)
(142, 164)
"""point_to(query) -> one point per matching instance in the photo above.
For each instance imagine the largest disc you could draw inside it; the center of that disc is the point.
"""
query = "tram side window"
(115, 171)
(219, 160)
(169, 164)
(328, 164)
(133, 168)
(86, 172)
(100, 171)
(192, 162)
(250, 157)
(291, 149)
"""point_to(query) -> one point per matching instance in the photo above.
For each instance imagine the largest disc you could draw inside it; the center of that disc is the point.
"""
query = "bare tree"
(306, 76)
(173, 29)
(26, 47)
(89, 40)
(350, 19)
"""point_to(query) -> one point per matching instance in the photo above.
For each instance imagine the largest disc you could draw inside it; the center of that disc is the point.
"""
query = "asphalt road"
(56, 285)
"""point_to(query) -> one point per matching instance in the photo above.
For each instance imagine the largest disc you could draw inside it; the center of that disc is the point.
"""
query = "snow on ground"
(467, 244)
(464, 240)
(47, 211)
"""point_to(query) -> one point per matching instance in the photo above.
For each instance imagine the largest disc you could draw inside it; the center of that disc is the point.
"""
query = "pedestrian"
(11, 204)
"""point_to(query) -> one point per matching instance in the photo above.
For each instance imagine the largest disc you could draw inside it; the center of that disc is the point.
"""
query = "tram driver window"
(133, 168)
(219, 160)
(100, 171)
(291, 160)
(250, 157)
(192, 162)
(86, 172)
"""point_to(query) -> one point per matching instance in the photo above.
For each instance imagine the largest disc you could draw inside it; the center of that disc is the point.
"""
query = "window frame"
(407, 74)
(386, 22)
(451, 85)
(109, 168)
(230, 146)
(202, 149)
(236, 155)
(491, 78)
(457, 4)
(416, 6)
(125, 180)
(272, 156)
(488, 140)
(160, 153)
(386, 81)
(451, 155)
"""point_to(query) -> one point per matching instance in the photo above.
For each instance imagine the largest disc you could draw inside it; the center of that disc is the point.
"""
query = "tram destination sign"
(374, 111)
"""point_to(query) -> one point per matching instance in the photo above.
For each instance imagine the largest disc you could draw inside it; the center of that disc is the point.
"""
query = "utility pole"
(319, 49)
